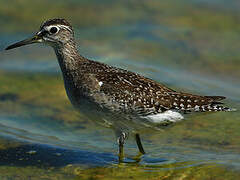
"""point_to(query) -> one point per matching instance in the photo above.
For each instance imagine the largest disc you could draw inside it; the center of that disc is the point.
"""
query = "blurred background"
(189, 45)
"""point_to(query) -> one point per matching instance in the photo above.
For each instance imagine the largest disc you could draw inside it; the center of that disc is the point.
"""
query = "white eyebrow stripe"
(66, 27)
(60, 26)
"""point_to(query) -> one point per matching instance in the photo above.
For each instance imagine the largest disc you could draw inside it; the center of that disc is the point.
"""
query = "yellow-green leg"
(121, 153)
(139, 144)
(121, 141)
(141, 152)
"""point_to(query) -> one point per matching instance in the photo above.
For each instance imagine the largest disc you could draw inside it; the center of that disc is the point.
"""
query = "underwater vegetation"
(188, 45)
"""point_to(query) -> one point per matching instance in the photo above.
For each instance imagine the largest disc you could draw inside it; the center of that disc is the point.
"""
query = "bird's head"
(55, 32)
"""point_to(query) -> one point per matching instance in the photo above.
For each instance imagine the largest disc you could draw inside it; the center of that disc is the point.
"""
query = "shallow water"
(40, 129)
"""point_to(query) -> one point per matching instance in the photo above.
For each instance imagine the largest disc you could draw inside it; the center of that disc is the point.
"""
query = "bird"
(113, 97)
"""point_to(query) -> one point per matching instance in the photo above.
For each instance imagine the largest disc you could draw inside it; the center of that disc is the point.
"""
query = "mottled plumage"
(124, 100)
(135, 93)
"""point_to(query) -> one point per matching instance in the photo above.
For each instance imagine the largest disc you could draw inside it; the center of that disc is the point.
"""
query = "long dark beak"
(35, 39)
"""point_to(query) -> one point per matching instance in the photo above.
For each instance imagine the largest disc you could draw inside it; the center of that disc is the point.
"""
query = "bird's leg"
(139, 144)
(121, 141)
(138, 157)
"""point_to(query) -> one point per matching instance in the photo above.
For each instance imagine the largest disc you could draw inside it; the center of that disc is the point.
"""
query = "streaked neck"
(67, 55)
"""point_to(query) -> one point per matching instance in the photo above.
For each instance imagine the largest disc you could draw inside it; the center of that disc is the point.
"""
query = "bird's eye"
(53, 30)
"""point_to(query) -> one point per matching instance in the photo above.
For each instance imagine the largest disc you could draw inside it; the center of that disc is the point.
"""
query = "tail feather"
(216, 98)
(217, 103)
(217, 107)
(189, 102)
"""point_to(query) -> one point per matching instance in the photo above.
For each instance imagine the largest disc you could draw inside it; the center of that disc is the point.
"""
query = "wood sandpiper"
(122, 100)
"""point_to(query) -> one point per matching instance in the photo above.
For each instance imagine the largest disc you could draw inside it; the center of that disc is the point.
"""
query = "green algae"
(32, 173)
(25, 165)
(198, 37)
(93, 13)
(135, 172)
(43, 94)
(119, 172)
(5, 143)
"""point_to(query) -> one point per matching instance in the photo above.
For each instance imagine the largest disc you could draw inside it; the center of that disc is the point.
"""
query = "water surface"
(41, 132)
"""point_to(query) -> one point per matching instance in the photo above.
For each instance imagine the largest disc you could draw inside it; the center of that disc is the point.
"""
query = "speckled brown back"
(136, 93)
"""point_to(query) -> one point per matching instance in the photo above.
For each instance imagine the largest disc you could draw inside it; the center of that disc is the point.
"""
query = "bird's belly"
(87, 107)
(120, 120)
